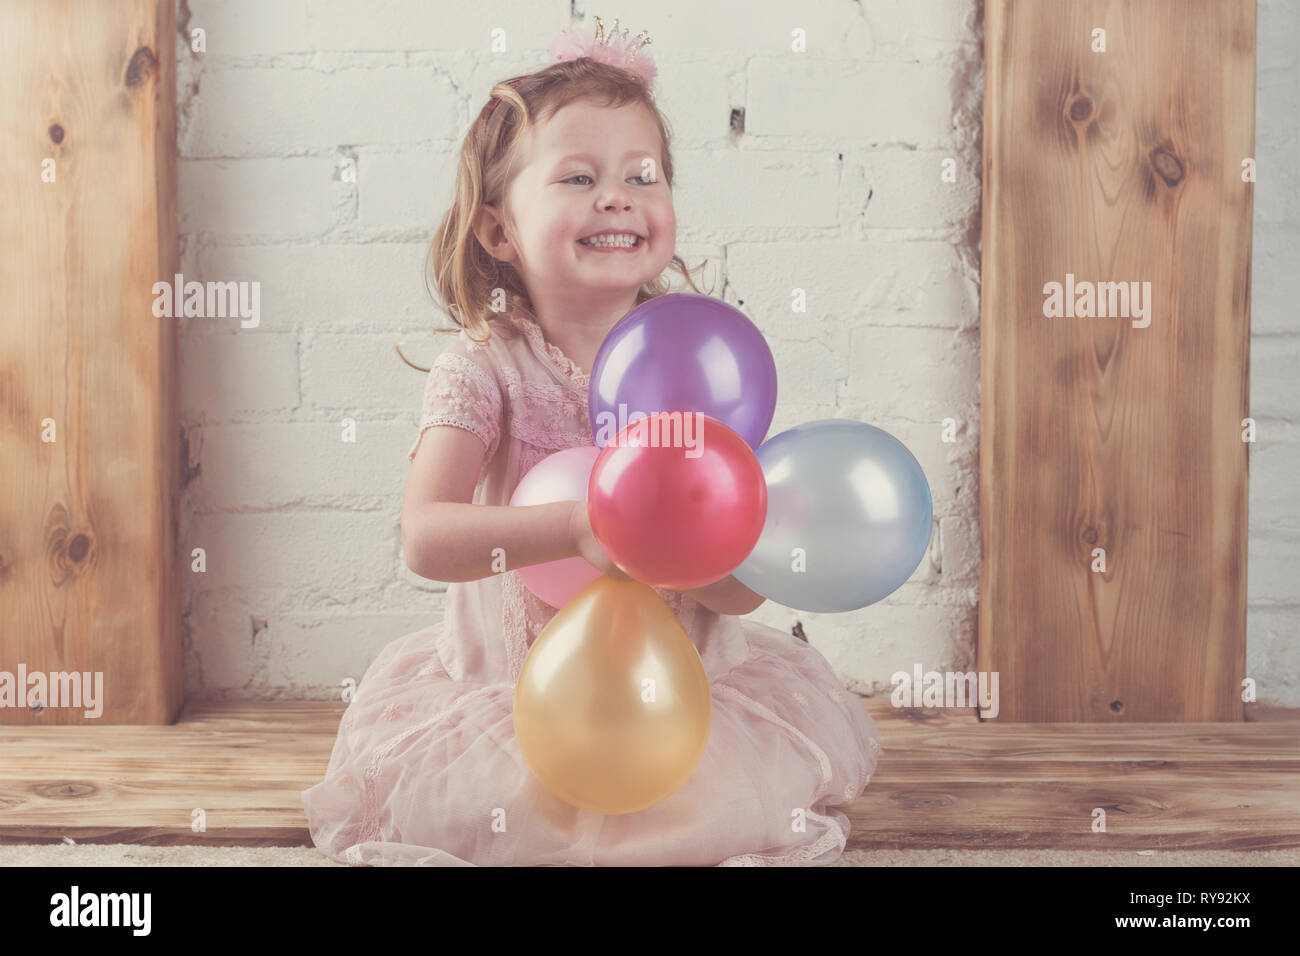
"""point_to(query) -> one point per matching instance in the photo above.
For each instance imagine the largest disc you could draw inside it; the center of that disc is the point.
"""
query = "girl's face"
(591, 169)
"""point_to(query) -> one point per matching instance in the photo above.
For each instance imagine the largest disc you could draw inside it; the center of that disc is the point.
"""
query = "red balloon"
(677, 500)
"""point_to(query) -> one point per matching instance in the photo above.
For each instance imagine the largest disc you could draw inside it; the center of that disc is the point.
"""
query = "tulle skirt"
(426, 771)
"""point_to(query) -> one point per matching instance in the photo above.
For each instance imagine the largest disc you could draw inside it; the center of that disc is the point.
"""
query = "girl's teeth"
(626, 242)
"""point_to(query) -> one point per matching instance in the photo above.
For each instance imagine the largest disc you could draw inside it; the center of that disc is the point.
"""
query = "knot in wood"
(78, 547)
(1168, 166)
(142, 66)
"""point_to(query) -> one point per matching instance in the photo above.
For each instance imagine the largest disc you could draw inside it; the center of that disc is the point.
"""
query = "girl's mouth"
(613, 242)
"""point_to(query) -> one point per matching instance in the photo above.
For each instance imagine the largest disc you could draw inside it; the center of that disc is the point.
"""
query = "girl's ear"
(490, 231)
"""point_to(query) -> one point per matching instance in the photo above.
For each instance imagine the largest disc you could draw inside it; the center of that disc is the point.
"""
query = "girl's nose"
(617, 201)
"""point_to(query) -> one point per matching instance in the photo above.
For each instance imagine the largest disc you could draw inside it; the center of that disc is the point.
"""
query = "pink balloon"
(562, 476)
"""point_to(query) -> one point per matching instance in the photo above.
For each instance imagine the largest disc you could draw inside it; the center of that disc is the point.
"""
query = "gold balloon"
(613, 706)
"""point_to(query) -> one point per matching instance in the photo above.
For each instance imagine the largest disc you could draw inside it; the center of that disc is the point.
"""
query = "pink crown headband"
(614, 49)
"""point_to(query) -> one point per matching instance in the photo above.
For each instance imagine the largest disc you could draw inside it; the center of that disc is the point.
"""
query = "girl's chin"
(613, 285)
(611, 274)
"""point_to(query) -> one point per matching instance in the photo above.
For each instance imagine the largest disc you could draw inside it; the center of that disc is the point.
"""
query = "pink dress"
(426, 769)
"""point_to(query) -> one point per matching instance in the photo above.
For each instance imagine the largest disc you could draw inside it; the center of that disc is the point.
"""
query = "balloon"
(677, 500)
(613, 706)
(848, 517)
(683, 351)
(562, 476)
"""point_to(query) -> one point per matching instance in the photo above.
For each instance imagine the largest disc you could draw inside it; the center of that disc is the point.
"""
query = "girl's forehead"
(595, 119)
(583, 124)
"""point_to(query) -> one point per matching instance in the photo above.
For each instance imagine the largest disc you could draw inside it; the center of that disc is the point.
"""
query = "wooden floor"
(945, 780)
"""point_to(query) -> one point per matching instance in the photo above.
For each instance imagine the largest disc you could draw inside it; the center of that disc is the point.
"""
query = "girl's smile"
(613, 240)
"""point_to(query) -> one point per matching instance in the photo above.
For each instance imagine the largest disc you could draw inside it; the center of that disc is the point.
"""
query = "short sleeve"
(462, 393)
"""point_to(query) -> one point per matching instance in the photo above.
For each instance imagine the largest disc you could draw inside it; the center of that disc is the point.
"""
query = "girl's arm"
(727, 596)
(453, 541)
(445, 537)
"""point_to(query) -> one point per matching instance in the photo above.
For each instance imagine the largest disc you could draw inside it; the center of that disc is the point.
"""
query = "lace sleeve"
(461, 393)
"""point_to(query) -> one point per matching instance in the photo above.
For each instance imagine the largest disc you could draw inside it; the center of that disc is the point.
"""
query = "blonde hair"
(462, 270)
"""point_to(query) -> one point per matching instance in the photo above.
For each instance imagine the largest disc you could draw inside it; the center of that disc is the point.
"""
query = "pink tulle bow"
(571, 44)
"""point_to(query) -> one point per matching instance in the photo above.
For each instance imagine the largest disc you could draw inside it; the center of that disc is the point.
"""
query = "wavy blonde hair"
(457, 264)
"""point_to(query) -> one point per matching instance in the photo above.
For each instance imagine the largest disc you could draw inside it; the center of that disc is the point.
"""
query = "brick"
(227, 376)
(735, 27)
(475, 71)
(723, 193)
(791, 411)
(922, 29)
(865, 647)
(959, 538)
(807, 370)
(1273, 361)
(263, 197)
(367, 287)
(1272, 469)
(902, 189)
(839, 100)
(695, 100)
(313, 109)
(305, 464)
(412, 190)
(1274, 280)
(244, 27)
(1273, 563)
(251, 643)
(434, 25)
(846, 283)
(335, 553)
(912, 373)
(1273, 654)
(363, 374)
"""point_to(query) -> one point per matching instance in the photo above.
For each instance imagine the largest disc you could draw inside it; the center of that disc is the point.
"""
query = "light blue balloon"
(847, 503)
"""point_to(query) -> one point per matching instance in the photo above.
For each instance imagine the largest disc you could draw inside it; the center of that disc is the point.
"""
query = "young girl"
(426, 768)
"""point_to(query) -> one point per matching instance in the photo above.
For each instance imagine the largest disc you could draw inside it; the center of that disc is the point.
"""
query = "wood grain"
(945, 780)
(1123, 165)
(89, 576)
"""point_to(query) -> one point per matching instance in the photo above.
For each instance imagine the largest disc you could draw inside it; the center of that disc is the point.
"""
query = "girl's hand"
(727, 596)
(584, 539)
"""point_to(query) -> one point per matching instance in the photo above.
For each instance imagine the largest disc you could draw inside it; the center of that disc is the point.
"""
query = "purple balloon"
(683, 352)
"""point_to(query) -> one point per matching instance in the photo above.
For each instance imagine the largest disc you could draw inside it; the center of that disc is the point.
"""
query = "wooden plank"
(945, 780)
(1116, 166)
(89, 568)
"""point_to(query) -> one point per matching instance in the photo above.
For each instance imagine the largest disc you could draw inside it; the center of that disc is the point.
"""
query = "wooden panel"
(1116, 166)
(945, 780)
(88, 561)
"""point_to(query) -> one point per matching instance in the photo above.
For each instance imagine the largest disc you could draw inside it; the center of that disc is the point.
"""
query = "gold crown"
(622, 37)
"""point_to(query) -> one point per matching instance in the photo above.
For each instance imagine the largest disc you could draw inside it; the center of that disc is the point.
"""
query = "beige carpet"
(119, 854)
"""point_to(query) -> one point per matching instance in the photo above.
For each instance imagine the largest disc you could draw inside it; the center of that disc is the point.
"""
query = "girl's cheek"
(558, 226)
(668, 218)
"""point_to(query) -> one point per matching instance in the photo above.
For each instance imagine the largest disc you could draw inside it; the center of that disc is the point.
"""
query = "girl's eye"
(641, 180)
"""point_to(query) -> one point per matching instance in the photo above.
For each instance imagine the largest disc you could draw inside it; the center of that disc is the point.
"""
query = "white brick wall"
(1273, 560)
(833, 188)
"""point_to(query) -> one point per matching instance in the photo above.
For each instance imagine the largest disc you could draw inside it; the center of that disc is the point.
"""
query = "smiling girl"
(562, 222)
